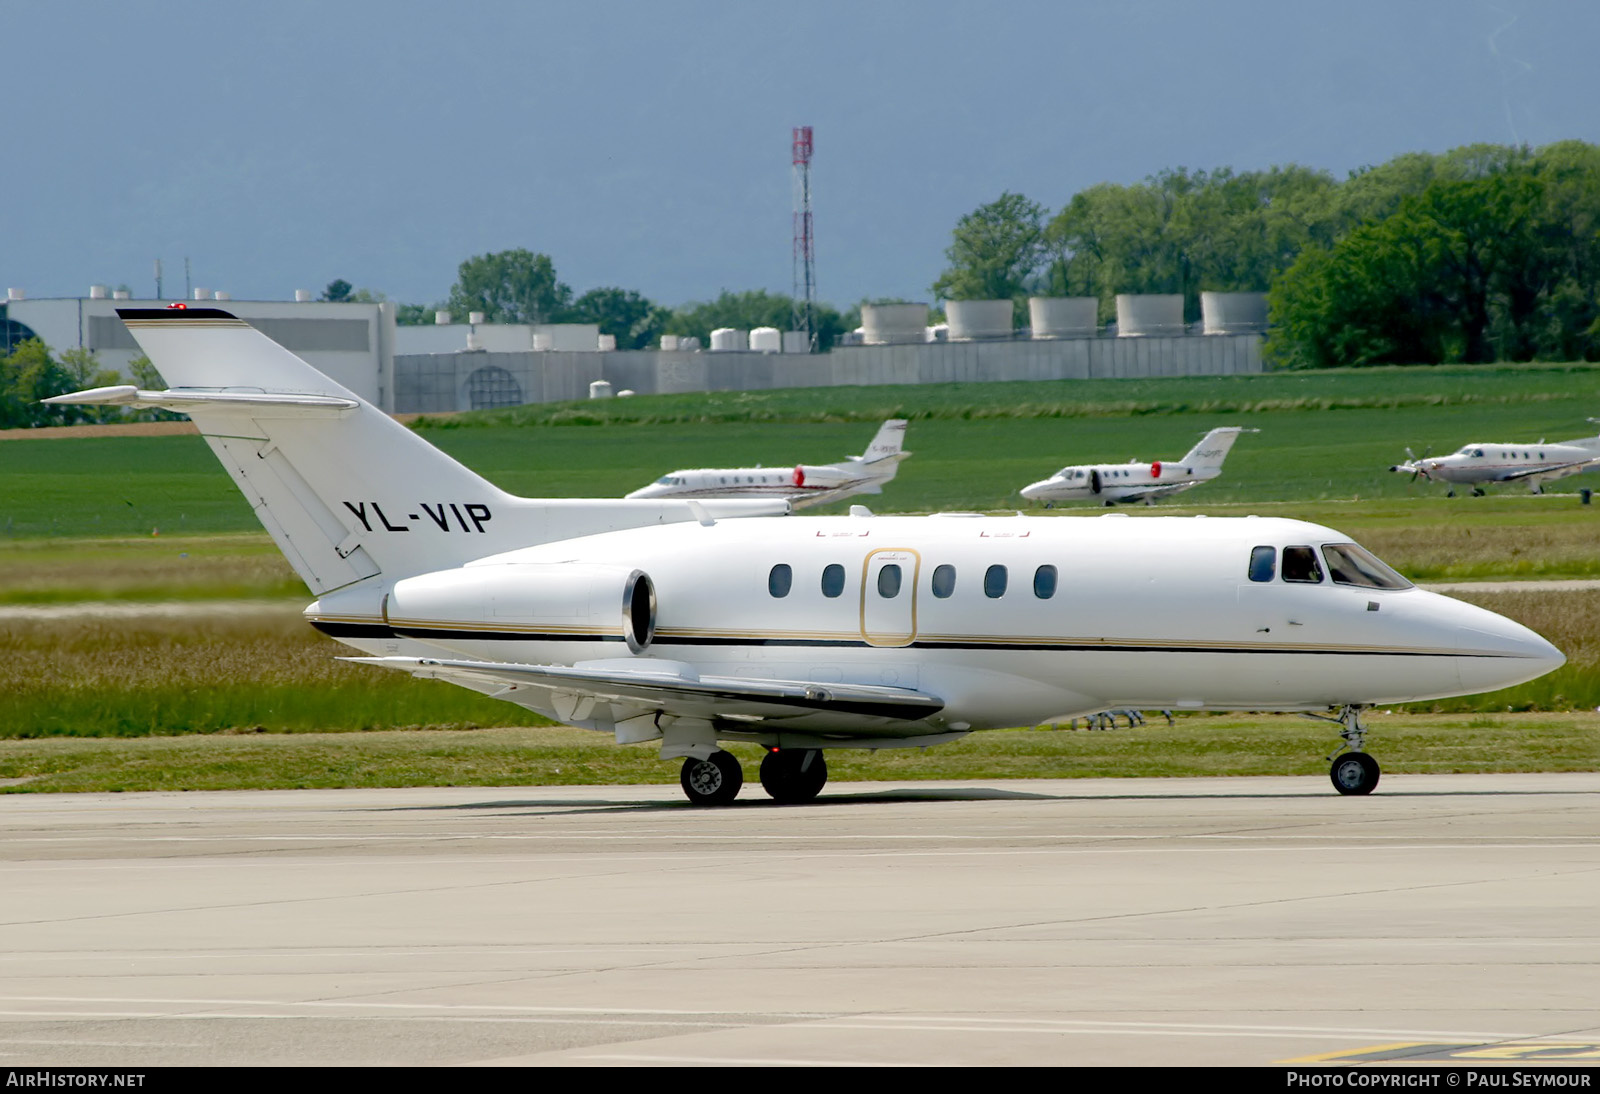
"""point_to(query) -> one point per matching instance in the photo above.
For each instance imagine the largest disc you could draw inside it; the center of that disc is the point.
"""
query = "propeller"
(1416, 465)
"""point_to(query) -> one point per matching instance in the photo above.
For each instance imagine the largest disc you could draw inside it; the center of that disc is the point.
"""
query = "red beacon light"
(1155, 470)
(177, 307)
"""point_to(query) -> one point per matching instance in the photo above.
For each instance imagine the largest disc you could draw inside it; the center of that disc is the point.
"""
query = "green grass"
(1325, 437)
(520, 756)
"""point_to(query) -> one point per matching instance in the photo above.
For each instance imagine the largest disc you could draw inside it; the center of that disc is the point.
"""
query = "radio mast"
(805, 256)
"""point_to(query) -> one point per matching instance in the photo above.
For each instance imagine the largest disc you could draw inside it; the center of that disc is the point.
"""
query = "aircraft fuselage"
(1007, 620)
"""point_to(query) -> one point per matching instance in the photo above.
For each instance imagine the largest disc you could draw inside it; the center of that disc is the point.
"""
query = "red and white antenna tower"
(805, 256)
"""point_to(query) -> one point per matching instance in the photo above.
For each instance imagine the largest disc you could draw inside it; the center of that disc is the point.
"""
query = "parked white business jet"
(1134, 481)
(1535, 464)
(663, 621)
(801, 486)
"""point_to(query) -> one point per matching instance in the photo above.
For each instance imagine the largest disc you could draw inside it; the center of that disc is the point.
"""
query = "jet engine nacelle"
(821, 477)
(546, 599)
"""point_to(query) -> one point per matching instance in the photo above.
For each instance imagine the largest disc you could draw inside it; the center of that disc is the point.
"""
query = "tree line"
(1484, 253)
(521, 286)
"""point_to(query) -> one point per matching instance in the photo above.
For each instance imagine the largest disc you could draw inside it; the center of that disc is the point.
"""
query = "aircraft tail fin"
(887, 443)
(1212, 449)
(346, 491)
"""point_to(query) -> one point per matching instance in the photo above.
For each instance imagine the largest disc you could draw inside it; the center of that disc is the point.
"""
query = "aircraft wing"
(672, 687)
(1552, 471)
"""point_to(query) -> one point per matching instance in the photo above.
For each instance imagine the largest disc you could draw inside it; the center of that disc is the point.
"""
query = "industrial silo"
(975, 319)
(893, 324)
(729, 339)
(1233, 312)
(1063, 316)
(1149, 314)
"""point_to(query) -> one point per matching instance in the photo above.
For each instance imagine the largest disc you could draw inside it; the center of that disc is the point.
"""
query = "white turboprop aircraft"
(802, 486)
(1535, 464)
(1135, 481)
(664, 621)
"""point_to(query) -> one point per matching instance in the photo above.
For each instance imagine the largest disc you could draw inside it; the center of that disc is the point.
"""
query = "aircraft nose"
(1510, 653)
(1034, 489)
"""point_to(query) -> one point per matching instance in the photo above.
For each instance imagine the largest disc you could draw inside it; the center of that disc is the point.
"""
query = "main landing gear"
(1353, 771)
(790, 775)
(793, 775)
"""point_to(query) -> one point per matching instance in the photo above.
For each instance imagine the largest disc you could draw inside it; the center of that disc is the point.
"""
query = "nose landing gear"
(1353, 771)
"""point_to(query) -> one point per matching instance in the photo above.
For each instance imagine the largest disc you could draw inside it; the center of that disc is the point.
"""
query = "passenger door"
(889, 597)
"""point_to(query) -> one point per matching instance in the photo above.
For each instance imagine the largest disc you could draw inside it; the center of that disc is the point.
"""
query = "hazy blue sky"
(646, 144)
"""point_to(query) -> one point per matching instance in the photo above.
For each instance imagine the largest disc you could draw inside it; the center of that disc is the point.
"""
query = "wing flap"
(675, 688)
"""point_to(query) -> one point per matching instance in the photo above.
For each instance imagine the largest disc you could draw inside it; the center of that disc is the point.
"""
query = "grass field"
(155, 518)
(521, 756)
(1324, 437)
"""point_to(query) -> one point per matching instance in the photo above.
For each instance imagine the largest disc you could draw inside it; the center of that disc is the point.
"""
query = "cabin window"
(1352, 565)
(1300, 564)
(889, 581)
(1263, 563)
(994, 582)
(780, 580)
(832, 580)
(944, 581)
(1044, 582)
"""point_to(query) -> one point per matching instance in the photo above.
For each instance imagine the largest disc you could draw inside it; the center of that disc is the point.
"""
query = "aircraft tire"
(788, 778)
(714, 780)
(1354, 773)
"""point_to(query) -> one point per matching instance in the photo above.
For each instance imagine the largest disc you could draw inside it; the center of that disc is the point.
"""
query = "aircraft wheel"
(794, 775)
(1354, 773)
(714, 780)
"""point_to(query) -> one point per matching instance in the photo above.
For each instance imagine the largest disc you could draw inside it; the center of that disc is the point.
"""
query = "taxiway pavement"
(1138, 921)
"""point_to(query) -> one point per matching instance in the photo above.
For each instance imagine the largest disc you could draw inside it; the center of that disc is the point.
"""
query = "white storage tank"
(600, 389)
(1063, 316)
(892, 324)
(973, 319)
(1233, 312)
(1150, 314)
(729, 340)
(669, 342)
(608, 343)
(796, 341)
(766, 340)
(97, 292)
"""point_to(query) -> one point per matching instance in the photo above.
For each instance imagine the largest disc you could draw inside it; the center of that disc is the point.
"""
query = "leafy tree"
(514, 286)
(27, 375)
(995, 251)
(338, 291)
(748, 310)
(635, 322)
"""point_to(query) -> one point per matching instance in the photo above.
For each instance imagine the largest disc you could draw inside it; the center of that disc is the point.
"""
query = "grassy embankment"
(1326, 441)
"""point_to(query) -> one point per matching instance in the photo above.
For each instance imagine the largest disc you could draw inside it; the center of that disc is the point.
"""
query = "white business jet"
(1134, 481)
(1535, 464)
(802, 486)
(668, 622)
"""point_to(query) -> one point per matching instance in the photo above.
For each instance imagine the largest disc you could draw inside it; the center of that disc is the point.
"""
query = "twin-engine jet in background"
(669, 622)
(803, 485)
(1110, 483)
(1534, 464)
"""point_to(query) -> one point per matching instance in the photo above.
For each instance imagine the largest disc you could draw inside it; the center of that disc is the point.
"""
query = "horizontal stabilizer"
(676, 688)
(184, 401)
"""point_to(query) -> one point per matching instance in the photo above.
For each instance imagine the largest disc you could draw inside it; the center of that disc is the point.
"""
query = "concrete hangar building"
(449, 366)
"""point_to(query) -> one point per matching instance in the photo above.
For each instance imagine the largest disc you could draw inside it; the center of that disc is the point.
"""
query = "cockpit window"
(1349, 564)
(1263, 563)
(1300, 564)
